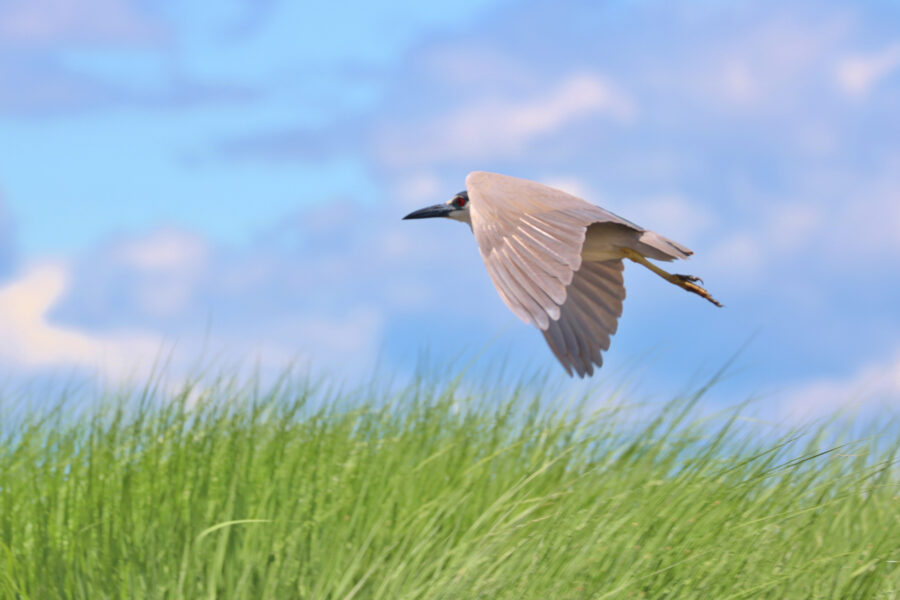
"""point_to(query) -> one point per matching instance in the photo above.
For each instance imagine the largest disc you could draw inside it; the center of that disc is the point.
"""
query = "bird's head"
(457, 208)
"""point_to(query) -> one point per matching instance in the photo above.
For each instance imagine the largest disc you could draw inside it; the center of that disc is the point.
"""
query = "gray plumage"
(556, 260)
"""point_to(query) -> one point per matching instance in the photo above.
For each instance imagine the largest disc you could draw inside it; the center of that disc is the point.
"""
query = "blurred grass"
(231, 491)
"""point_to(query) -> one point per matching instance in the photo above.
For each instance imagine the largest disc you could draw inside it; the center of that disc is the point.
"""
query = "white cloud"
(576, 97)
(872, 385)
(31, 340)
(857, 75)
(490, 128)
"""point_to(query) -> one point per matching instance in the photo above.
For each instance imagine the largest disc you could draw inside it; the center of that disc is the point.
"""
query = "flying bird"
(557, 260)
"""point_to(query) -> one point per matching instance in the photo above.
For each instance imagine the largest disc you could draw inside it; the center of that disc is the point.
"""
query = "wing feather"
(554, 339)
(541, 287)
(510, 300)
(540, 305)
(598, 325)
(550, 278)
(573, 346)
(530, 237)
(587, 322)
(539, 229)
(547, 260)
(523, 302)
(541, 239)
(600, 291)
(602, 304)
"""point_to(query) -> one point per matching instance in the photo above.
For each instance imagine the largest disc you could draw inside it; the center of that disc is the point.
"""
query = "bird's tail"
(662, 248)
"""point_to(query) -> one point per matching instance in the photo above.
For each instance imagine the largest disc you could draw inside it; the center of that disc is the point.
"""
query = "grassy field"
(435, 492)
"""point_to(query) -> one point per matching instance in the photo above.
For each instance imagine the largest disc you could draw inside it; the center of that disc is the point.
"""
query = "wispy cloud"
(167, 264)
(870, 386)
(491, 128)
(41, 43)
(42, 22)
(856, 75)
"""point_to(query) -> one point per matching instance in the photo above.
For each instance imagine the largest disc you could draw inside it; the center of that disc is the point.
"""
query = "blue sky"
(228, 178)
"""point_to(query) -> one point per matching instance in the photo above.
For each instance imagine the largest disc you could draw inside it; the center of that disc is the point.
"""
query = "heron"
(557, 260)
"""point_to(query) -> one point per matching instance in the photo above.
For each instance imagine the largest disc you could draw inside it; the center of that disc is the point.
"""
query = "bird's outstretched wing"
(589, 317)
(530, 237)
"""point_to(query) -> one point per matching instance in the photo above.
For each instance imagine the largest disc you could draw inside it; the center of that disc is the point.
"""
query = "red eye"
(460, 202)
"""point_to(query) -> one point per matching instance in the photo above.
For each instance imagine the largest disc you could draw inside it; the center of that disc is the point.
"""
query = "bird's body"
(556, 260)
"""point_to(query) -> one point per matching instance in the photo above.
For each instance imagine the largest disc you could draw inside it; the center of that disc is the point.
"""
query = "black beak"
(438, 210)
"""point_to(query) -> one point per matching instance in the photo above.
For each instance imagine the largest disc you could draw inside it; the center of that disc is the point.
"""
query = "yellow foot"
(688, 282)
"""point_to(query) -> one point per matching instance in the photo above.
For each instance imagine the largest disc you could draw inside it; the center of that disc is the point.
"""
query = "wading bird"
(556, 260)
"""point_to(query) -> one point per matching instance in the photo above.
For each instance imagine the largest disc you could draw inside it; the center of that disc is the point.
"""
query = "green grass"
(298, 492)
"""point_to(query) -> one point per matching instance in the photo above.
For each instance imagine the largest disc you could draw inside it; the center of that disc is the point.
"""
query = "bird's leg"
(687, 282)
